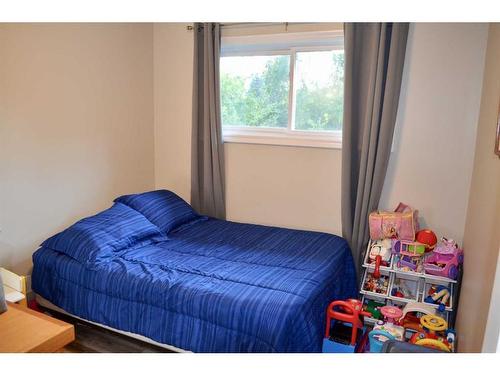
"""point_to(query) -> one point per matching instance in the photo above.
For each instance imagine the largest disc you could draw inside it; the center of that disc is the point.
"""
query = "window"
(255, 91)
(283, 89)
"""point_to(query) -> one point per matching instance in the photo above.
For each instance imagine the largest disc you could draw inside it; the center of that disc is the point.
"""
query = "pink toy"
(444, 260)
(402, 224)
(388, 329)
(392, 313)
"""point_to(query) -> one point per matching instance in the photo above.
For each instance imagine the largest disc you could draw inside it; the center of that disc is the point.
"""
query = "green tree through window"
(258, 100)
(255, 90)
(319, 100)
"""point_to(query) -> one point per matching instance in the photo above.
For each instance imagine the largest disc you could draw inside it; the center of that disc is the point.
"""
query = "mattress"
(211, 286)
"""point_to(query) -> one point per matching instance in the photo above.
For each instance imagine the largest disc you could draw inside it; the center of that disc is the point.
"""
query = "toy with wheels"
(391, 313)
(444, 260)
(408, 255)
(435, 335)
(410, 248)
(412, 312)
(387, 330)
(433, 323)
(344, 326)
(391, 316)
(377, 337)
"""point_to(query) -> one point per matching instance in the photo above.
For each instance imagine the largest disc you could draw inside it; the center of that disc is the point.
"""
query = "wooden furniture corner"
(23, 330)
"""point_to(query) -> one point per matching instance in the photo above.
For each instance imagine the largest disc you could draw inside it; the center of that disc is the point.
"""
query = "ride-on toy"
(388, 330)
(344, 326)
(410, 320)
(435, 334)
(444, 260)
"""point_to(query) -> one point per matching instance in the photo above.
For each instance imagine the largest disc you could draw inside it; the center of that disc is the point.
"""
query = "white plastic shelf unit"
(423, 283)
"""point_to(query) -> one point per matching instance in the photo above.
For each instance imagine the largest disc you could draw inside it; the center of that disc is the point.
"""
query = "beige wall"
(491, 341)
(300, 187)
(431, 164)
(76, 126)
(482, 229)
(295, 187)
(173, 87)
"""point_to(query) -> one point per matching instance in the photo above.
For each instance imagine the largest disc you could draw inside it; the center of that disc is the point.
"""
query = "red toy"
(428, 238)
(349, 311)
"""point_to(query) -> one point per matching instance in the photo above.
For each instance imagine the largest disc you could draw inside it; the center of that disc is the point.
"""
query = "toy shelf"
(372, 294)
(393, 269)
(420, 282)
(401, 299)
(438, 278)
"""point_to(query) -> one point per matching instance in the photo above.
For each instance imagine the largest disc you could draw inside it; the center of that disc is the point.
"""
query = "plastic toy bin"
(368, 264)
(376, 287)
(405, 287)
(437, 283)
(370, 304)
(398, 265)
(404, 262)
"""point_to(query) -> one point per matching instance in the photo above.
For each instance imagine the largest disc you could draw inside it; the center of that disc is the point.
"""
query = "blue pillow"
(162, 207)
(98, 238)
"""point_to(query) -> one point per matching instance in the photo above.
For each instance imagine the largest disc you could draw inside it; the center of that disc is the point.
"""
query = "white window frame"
(283, 136)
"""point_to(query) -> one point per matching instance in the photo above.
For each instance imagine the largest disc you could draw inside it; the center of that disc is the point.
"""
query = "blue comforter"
(210, 286)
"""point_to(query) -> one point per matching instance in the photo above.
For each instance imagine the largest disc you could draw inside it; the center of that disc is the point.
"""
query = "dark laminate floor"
(94, 339)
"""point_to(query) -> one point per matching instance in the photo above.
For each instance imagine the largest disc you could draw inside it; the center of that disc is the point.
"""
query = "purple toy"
(408, 255)
(444, 260)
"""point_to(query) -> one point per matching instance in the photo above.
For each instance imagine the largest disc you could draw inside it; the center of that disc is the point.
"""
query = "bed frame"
(49, 305)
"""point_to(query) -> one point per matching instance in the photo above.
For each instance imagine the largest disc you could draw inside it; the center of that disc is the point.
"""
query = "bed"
(151, 266)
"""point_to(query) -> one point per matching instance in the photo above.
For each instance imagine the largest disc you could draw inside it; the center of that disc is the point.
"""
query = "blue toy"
(376, 341)
(438, 295)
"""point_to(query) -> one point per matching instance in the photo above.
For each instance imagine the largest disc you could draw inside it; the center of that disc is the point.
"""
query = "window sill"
(283, 137)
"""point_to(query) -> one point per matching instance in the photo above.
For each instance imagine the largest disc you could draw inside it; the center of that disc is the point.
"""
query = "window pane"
(254, 90)
(319, 90)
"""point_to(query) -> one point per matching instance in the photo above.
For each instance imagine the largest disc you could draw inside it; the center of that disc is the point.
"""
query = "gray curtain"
(3, 304)
(374, 59)
(207, 174)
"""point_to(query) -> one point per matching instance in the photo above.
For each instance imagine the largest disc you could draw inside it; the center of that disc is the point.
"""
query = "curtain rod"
(254, 24)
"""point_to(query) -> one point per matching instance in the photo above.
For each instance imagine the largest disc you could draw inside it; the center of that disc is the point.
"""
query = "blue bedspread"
(212, 286)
